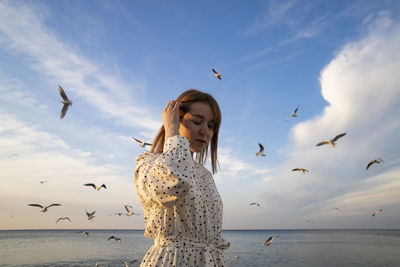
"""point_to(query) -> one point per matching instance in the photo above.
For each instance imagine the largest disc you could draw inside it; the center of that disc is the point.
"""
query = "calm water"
(292, 248)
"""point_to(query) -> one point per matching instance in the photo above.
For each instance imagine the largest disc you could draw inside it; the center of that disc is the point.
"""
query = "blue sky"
(121, 61)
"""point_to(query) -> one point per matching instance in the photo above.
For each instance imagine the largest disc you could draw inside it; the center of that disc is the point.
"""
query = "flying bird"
(42, 182)
(331, 142)
(378, 160)
(115, 238)
(269, 240)
(44, 208)
(126, 263)
(90, 215)
(63, 218)
(303, 170)
(84, 233)
(294, 114)
(13, 155)
(255, 203)
(309, 221)
(129, 212)
(66, 102)
(376, 212)
(142, 143)
(216, 74)
(261, 151)
(95, 187)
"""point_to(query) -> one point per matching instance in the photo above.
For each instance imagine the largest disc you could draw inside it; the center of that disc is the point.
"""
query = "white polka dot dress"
(182, 208)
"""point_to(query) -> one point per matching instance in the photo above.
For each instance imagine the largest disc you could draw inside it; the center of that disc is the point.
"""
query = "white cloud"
(22, 30)
(43, 156)
(361, 86)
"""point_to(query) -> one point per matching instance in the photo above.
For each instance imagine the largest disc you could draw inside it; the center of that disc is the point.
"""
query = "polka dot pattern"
(182, 208)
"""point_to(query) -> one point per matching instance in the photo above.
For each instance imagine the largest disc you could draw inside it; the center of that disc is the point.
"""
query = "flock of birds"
(90, 215)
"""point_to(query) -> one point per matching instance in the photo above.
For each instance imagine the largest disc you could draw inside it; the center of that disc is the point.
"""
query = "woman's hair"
(187, 98)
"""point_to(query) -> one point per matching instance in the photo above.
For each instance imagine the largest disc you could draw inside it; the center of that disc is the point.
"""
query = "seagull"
(255, 203)
(126, 263)
(115, 238)
(294, 114)
(117, 213)
(261, 152)
(95, 187)
(269, 240)
(44, 208)
(236, 257)
(142, 143)
(378, 160)
(42, 182)
(90, 215)
(64, 218)
(216, 74)
(129, 212)
(331, 141)
(67, 102)
(84, 233)
(376, 212)
(300, 169)
(13, 155)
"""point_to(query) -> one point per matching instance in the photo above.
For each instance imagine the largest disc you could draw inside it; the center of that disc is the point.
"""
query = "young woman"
(182, 207)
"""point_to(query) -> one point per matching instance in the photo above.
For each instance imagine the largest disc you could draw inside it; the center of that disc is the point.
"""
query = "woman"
(182, 207)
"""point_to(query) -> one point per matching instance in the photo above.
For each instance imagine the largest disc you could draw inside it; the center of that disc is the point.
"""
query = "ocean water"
(292, 248)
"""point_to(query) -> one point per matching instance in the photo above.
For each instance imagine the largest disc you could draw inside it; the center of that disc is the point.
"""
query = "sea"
(290, 248)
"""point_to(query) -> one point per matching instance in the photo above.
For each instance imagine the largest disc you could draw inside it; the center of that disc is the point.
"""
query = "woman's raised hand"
(170, 118)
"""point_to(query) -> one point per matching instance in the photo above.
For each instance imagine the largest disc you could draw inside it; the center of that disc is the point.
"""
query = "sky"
(120, 62)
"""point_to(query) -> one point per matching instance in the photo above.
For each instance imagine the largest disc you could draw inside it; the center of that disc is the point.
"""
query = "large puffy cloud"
(362, 88)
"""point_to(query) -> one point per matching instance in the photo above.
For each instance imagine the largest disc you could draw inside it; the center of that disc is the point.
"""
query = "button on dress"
(182, 208)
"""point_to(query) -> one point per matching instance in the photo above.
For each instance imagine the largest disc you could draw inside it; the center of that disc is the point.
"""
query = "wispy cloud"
(43, 156)
(23, 31)
(276, 13)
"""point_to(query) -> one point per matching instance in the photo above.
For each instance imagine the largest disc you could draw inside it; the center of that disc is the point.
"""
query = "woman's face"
(197, 125)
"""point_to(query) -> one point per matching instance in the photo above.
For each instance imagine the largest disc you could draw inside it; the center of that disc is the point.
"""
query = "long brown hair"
(187, 98)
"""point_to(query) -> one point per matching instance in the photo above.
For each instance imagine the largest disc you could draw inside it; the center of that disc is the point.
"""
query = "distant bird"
(255, 203)
(42, 182)
(261, 151)
(236, 257)
(66, 101)
(13, 155)
(309, 221)
(126, 263)
(216, 74)
(269, 240)
(90, 215)
(294, 114)
(63, 218)
(117, 213)
(84, 233)
(331, 142)
(377, 212)
(378, 160)
(337, 209)
(142, 143)
(95, 187)
(129, 212)
(44, 208)
(115, 238)
(300, 169)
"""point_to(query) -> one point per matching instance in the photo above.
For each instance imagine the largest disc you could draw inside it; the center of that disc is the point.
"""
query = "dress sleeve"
(165, 178)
